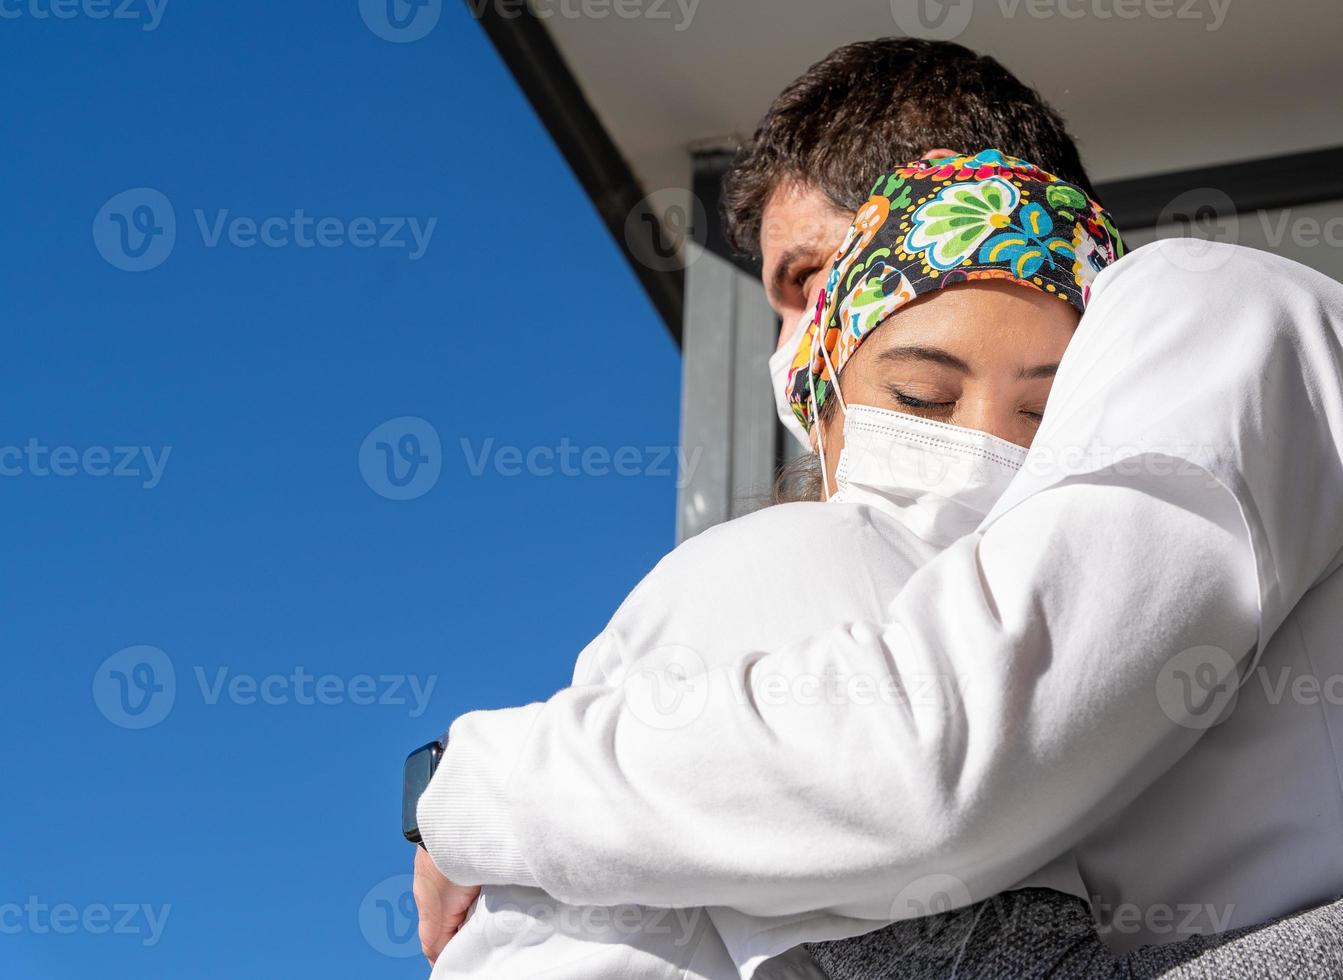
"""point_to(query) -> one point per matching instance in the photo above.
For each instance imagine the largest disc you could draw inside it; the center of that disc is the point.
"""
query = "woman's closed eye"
(917, 404)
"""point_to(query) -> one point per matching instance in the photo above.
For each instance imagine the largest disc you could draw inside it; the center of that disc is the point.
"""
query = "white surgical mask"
(942, 478)
(779, 363)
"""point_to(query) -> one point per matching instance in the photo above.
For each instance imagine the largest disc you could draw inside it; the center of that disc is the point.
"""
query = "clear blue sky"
(240, 833)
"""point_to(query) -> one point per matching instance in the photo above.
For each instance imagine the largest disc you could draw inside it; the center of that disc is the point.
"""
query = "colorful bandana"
(936, 223)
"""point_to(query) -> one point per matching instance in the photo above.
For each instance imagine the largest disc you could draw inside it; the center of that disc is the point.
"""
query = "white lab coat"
(733, 587)
(1182, 496)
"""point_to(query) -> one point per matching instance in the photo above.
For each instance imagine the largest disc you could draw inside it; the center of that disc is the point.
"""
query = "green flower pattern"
(951, 226)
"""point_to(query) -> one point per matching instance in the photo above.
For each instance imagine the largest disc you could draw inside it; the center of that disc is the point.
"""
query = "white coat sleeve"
(1180, 498)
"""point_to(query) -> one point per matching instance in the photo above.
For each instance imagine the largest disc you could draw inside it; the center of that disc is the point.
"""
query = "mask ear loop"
(816, 424)
(816, 407)
(825, 355)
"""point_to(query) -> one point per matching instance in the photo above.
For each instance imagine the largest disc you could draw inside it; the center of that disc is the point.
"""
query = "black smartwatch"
(420, 766)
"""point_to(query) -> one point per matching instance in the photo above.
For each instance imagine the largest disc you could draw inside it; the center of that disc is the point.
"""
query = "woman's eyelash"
(911, 402)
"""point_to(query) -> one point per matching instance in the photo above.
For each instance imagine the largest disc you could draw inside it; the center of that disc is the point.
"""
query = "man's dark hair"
(874, 106)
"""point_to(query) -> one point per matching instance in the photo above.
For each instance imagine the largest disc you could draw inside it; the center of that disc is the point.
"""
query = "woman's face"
(981, 355)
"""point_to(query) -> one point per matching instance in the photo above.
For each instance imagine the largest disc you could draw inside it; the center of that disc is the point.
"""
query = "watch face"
(420, 766)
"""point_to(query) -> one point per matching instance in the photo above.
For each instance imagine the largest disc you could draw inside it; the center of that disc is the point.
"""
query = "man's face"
(799, 232)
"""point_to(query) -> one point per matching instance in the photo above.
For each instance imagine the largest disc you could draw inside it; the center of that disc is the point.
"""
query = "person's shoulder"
(793, 526)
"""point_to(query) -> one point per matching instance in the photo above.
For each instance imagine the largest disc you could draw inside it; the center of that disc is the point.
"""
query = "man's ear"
(938, 154)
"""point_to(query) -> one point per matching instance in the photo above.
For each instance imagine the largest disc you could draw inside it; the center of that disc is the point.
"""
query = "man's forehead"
(800, 215)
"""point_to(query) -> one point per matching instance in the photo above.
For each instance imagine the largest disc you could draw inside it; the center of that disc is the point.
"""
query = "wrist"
(465, 815)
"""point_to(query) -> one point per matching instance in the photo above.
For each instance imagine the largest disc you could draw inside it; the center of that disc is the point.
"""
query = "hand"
(442, 905)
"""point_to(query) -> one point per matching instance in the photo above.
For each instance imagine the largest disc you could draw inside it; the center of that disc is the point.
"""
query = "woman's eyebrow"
(1039, 372)
(915, 352)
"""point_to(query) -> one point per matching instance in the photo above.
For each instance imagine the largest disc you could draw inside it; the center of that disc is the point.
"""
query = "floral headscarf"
(936, 223)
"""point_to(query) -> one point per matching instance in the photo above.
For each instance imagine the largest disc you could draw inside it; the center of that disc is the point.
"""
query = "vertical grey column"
(728, 424)
(755, 423)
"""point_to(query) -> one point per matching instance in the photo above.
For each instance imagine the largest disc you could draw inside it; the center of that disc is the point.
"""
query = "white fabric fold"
(1180, 500)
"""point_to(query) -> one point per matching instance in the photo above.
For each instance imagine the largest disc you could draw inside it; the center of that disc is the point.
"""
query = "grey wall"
(728, 422)
(1311, 234)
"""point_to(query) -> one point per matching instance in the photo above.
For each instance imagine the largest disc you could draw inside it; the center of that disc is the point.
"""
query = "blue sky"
(210, 571)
